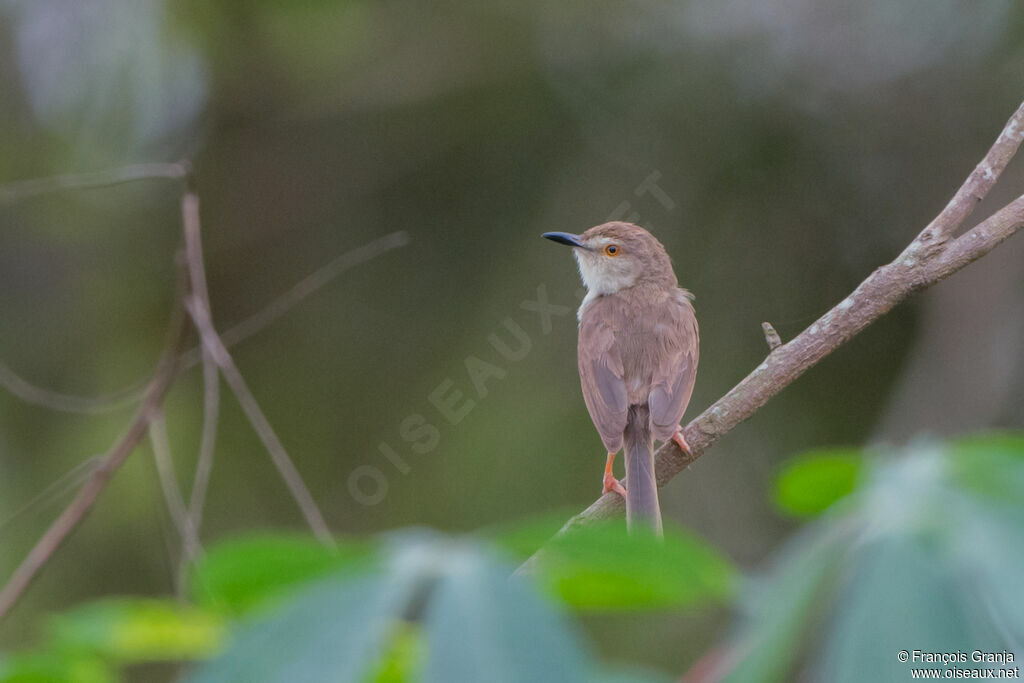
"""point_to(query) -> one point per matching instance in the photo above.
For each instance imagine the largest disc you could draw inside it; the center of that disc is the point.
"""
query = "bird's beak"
(564, 238)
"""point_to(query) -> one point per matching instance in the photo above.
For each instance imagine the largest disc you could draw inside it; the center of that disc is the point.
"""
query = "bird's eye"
(611, 250)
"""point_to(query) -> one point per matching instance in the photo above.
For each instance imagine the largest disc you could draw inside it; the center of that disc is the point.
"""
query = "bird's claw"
(613, 484)
(680, 441)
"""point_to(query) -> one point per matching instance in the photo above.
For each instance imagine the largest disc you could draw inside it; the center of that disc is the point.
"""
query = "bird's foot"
(680, 441)
(610, 482)
(613, 484)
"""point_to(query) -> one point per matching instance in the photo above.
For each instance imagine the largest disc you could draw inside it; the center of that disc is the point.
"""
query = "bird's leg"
(680, 441)
(610, 482)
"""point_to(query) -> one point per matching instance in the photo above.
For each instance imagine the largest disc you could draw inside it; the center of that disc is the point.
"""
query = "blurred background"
(781, 150)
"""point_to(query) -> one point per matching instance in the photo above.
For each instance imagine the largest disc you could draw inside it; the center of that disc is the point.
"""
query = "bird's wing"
(673, 378)
(601, 374)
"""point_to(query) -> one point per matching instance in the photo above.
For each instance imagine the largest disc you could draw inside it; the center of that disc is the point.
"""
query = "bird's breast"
(649, 326)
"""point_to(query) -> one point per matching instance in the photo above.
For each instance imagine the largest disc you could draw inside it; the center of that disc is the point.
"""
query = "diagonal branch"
(82, 503)
(932, 256)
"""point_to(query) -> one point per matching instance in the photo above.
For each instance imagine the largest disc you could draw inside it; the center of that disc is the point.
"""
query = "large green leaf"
(601, 567)
(482, 626)
(902, 596)
(472, 624)
(523, 537)
(779, 608)
(813, 481)
(251, 571)
(140, 630)
(925, 556)
(335, 630)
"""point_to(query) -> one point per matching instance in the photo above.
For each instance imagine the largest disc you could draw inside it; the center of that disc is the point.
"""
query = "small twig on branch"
(83, 502)
(212, 343)
(771, 336)
(932, 256)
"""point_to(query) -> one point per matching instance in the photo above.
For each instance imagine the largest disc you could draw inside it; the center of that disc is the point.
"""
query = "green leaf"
(482, 626)
(474, 623)
(991, 465)
(334, 630)
(1005, 444)
(608, 673)
(403, 658)
(601, 567)
(54, 667)
(523, 537)
(813, 481)
(780, 607)
(926, 556)
(901, 592)
(245, 573)
(140, 630)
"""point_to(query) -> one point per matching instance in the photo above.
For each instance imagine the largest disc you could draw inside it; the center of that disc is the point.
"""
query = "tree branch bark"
(932, 256)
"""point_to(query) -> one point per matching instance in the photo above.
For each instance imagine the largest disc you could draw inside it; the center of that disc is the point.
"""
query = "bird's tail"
(642, 509)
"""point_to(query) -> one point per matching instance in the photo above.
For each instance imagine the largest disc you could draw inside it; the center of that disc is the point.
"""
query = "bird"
(637, 351)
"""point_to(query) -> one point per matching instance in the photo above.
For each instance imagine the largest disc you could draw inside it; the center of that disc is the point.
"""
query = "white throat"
(601, 277)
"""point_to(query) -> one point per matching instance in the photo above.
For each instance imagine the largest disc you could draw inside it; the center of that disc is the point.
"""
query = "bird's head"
(615, 256)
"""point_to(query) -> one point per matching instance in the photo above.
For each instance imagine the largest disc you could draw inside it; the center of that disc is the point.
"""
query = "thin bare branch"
(59, 488)
(197, 303)
(311, 284)
(83, 502)
(68, 403)
(212, 342)
(207, 442)
(204, 463)
(211, 381)
(23, 189)
(211, 377)
(259, 422)
(930, 257)
(169, 485)
(978, 183)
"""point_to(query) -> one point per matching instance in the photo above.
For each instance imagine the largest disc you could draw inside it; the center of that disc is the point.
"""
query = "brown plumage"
(638, 349)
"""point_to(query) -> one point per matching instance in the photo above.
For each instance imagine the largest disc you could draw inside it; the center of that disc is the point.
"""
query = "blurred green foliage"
(801, 145)
(599, 567)
(923, 553)
(810, 483)
(241, 574)
(411, 606)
